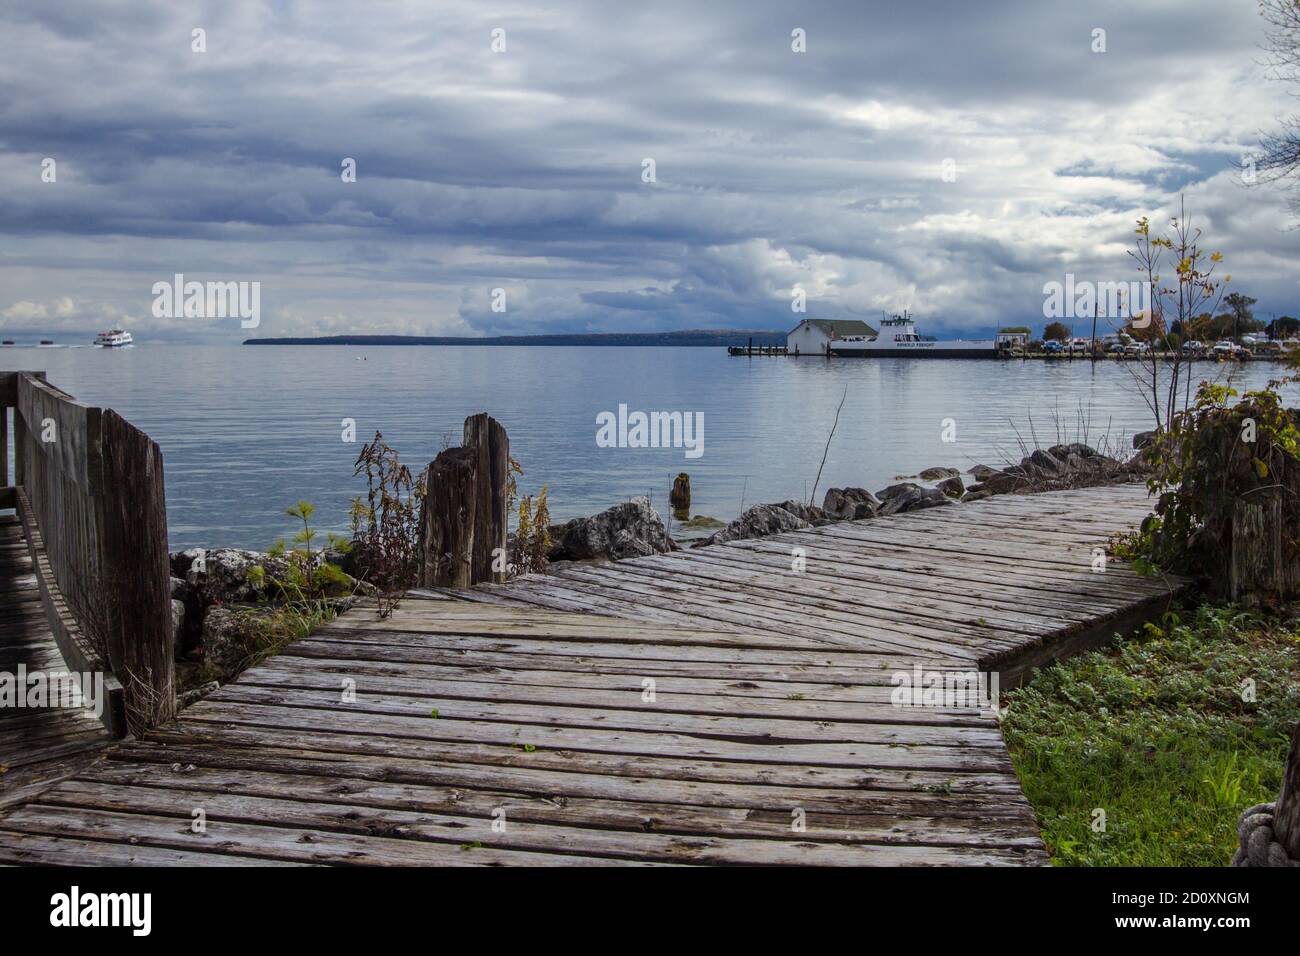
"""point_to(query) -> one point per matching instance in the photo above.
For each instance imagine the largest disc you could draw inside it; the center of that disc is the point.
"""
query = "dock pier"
(714, 705)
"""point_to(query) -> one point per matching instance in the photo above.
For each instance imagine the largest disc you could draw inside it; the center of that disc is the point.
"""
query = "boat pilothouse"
(113, 339)
(898, 338)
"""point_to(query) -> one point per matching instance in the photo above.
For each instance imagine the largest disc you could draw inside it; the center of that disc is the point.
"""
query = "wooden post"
(20, 448)
(4, 447)
(1286, 816)
(464, 516)
(680, 495)
(1256, 571)
(1259, 569)
(132, 517)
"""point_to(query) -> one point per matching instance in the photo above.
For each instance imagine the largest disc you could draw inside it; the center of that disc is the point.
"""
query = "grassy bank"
(1156, 733)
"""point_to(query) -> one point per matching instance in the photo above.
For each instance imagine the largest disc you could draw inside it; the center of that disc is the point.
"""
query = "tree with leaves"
(1056, 332)
(1239, 317)
(1163, 375)
(1280, 159)
(1283, 327)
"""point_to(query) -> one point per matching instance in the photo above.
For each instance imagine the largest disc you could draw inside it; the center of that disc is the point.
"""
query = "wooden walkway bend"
(710, 706)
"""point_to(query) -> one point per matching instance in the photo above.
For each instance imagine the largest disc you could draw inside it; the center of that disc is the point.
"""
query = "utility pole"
(1096, 306)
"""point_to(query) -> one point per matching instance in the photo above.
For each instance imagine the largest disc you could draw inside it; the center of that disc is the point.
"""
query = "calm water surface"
(247, 430)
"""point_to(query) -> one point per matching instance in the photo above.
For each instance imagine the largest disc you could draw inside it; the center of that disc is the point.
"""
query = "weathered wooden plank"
(867, 703)
(509, 827)
(715, 666)
(630, 712)
(18, 848)
(286, 844)
(336, 641)
(864, 817)
(135, 572)
(553, 775)
(60, 429)
(292, 720)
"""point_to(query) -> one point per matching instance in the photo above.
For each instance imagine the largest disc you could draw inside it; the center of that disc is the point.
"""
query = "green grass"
(1156, 733)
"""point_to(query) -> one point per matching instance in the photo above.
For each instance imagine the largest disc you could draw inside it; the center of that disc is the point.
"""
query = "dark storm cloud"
(522, 170)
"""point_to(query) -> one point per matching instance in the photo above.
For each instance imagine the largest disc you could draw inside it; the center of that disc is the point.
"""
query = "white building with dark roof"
(814, 336)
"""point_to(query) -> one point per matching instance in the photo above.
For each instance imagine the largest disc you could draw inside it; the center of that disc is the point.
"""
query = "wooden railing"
(89, 491)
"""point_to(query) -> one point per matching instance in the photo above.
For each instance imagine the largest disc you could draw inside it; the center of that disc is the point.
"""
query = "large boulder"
(1042, 464)
(810, 513)
(1006, 481)
(232, 637)
(850, 504)
(1074, 448)
(762, 520)
(629, 530)
(910, 497)
(1144, 440)
(952, 487)
(935, 474)
(222, 576)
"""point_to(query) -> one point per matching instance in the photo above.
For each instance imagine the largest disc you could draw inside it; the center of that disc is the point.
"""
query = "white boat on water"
(113, 339)
(898, 338)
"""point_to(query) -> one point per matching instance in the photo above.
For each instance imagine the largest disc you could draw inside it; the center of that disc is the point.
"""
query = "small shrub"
(532, 536)
(386, 524)
(308, 583)
(1213, 455)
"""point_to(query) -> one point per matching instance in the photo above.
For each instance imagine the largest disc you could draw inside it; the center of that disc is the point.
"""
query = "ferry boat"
(113, 339)
(898, 338)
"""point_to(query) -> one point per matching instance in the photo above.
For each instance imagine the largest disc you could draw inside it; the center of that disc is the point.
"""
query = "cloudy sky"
(523, 170)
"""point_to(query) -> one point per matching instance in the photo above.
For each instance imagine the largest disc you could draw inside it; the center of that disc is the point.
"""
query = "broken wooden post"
(680, 495)
(1286, 818)
(1255, 554)
(463, 518)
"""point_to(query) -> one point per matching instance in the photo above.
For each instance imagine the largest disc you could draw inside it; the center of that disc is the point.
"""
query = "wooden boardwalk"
(711, 706)
(42, 744)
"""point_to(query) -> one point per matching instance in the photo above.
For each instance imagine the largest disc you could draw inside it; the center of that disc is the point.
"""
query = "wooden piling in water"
(463, 519)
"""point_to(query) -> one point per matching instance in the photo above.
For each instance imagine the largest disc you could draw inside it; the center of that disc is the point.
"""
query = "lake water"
(247, 430)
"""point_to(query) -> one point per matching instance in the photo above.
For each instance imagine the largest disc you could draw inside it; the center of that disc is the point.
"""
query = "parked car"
(1079, 345)
(1115, 348)
(1136, 348)
(1053, 347)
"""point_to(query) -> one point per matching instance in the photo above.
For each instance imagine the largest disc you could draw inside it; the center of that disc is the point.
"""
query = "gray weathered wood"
(463, 517)
(1255, 563)
(1286, 816)
(773, 693)
(95, 488)
(134, 564)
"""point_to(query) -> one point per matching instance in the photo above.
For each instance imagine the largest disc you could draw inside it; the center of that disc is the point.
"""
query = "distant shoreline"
(701, 338)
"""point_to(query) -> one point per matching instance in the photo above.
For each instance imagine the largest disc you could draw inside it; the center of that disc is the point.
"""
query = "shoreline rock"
(628, 530)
